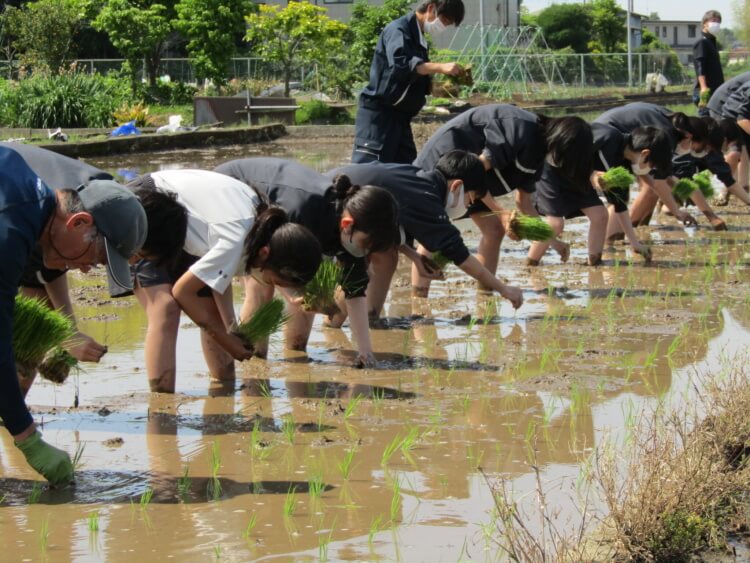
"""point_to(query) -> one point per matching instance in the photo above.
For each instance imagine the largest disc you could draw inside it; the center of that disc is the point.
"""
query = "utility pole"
(482, 52)
(630, 43)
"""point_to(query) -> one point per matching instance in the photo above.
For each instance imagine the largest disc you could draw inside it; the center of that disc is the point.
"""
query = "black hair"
(695, 126)
(167, 224)
(452, 9)
(571, 144)
(732, 132)
(657, 142)
(294, 254)
(464, 166)
(374, 210)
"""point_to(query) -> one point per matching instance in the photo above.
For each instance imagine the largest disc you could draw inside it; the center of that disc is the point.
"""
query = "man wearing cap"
(99, 222)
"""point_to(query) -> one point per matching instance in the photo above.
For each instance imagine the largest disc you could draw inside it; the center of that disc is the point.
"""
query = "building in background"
(680, 35)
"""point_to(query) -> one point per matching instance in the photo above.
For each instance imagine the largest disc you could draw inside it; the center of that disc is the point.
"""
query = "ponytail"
(695, 126)
(294, 252)
(374, 210)
(571, 143)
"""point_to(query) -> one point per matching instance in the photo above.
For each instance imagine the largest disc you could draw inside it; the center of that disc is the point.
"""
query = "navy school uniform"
(509, 136)
(309, 200)
(707, 63)
(421, 199)
(737, 107)
(641, 114)
(722, 93)
(26, 205)
(556, 196)
(58, 172)
(393, 96)
(687, 166)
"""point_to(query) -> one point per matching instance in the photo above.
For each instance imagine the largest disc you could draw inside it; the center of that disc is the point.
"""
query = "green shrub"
(167, 93)
(312, 111)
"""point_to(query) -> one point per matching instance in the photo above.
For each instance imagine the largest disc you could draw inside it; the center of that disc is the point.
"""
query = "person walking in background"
(400, 80)
(707, 62)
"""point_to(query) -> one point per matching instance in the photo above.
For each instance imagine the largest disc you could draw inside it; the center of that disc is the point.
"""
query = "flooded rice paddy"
(305, 458)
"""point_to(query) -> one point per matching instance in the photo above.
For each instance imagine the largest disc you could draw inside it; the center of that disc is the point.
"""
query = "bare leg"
(382, 267)
(525, 203)
(160, 346)
(488, 251)
(420, 285)
(743, 168)
(220, 363)
(644, 203)
(538, 248)
(298, 327)
(597, 216)
(255, 295)
(700, 202)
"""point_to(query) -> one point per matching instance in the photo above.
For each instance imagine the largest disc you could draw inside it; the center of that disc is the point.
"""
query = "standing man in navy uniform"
(707, 62)
(400, 79)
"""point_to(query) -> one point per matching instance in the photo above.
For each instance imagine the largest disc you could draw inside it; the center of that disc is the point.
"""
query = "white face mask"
(348, 243)
(257, 275)
(697, 154)
(681, 150)
(455, 203)
(435, 27)
(713, 28)
(640, 168)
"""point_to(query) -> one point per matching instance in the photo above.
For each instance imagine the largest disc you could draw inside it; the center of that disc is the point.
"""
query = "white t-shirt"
(221, 212)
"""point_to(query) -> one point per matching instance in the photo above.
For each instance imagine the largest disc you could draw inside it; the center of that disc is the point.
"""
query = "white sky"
(667, 9)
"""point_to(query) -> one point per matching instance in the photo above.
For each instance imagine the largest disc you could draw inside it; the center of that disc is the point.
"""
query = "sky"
(667, 9)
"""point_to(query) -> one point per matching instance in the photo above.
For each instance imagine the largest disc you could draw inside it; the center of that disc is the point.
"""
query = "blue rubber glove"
(53, 464)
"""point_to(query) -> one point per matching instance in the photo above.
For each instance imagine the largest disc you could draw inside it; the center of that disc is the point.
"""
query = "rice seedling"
(345, 465)
(56, 365)
(683, 188)
(390, 449)
(616, 178)
(474, 455)
(315, 486)
(351, 407)
(440, 259)
(378, 396)
(252, 523)
(214, 484)
(395, 500)
(288, 427)
(36, 492)
(184, 482)
(78, 455)
(2, 498)
(290, 502)
(264, 322)
(37, 329)
(375, 526)
(319, 293)
(146, 497)
(217, 551)
(410, 440)
(530, 228)
(324, 540)
(44, 535)
(703, 179)
(93, 521)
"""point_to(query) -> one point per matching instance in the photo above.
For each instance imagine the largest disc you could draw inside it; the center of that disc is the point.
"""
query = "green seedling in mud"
(351, 407)
(2, 498)
(214, 484)
(77, 456)
(616, 178)
(703, 179)
(288, 428)
(146, 497)
(530, 228)
(324, 540)
(345, 465)
(252, 523)
(217, 551)
(378, 396)
(44, 535)
(315, 486)
(465, 403)
(683, 188)
(37, 329)
(93, 521)
(321, 415)
(320, 292)
(184, 482)
(395, 500)
(410, 441)
(651, 358)
(375, 527)
(390, 449)
(264, 390)
(290, 502)
(36, 492)
(264, 322)
(474, 455)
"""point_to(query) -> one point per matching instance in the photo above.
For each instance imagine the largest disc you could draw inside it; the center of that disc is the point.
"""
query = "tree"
(742, 20)
(7, 39)
(366, 24)
(44, 32)
(566, 25)
(211, 28)
(608, 27)
(139, 31)
(298, 34)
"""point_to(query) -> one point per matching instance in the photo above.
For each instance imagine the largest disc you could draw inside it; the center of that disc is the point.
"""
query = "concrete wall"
(680, 35)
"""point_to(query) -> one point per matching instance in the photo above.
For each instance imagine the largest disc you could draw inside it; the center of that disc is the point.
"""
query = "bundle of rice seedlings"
(440, 259)
(466, 78)
(37, 329)
(56, 365)
(703, 179)
(530, 228)
(683, 188)
(265, 321)
(320, 292)
(617, 177)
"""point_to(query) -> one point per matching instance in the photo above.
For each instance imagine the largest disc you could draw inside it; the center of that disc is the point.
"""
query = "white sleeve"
(218, 266)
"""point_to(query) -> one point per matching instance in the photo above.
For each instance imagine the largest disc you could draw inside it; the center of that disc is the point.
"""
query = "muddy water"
(468, 381)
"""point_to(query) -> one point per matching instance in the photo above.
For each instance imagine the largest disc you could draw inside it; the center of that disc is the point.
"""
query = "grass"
(290, 502)
(390, 449)
(320, 292)
(214, 484)
(288, 428)
(264, 322)
(315, 486)
(683, 188)
(530, 228)
(352, 406)
(616, 178)
(37, 329)
(146, 497)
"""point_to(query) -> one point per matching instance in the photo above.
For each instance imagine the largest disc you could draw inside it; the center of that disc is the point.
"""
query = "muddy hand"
(238, 348)
(514, 295)
(53, 464)
(85, 349)
(645, 251)
(506, 217)
(365, 361)
(452, 69)
(685, 218)
(430, 269)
